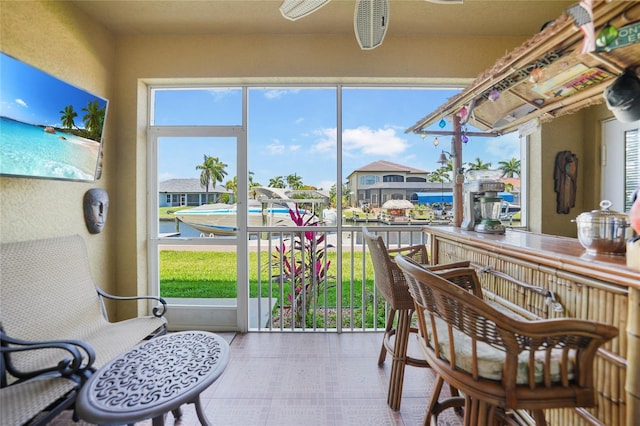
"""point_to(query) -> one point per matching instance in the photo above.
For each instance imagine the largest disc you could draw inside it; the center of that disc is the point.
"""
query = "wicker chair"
(498, 362)
(391, 283)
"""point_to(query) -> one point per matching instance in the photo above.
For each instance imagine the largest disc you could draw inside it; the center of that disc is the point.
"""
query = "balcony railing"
(316, 279)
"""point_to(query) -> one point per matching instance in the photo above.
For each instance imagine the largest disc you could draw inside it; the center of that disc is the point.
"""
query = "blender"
(490, 207)
(481, 204)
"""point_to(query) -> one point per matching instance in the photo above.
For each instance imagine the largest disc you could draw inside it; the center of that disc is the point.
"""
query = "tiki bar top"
(560, 253)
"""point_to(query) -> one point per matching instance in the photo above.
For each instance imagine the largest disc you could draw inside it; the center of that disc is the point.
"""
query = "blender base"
(490, 227)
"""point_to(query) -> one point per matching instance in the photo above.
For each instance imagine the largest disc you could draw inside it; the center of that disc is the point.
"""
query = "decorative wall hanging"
(95, 205)
(48, 128)
(565, 175)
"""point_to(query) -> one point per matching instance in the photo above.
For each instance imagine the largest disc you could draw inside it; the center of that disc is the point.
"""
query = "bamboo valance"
(547, 76)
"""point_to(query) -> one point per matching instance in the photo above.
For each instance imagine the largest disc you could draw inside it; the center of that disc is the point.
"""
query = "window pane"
(292, 147)
(197, 107)
(381, 162)
(632, 166)
(182, 196)
(376, 153)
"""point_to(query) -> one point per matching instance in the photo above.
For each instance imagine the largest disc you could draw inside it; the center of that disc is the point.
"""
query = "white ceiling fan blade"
(371, 20)
(296, 9)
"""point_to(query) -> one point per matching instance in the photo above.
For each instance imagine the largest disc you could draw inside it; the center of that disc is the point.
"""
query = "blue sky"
(293, 131)
(32, 96)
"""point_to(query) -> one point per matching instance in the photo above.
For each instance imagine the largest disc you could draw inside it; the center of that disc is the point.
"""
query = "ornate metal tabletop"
(153, 378)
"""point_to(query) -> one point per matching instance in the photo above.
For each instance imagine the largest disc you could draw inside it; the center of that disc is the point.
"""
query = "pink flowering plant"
(300, 261)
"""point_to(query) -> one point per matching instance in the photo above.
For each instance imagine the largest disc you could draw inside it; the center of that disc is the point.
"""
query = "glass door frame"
(240, 319)
(613, 161)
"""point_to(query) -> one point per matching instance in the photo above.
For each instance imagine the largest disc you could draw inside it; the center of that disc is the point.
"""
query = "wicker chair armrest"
(464, 277)
(447, 266)
(460, 273)
(417, 252)
(77, 363)
(158, 310)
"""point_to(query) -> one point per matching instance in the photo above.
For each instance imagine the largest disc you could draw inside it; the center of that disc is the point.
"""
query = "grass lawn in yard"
(212, 274)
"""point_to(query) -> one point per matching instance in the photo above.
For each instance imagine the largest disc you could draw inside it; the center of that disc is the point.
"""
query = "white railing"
(298, 270)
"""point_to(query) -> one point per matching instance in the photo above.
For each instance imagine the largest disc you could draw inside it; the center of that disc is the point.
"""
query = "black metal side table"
(153, 378)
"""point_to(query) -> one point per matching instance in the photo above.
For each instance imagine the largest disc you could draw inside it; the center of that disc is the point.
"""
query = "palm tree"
(277, 182)
(252, 185)
(510, 168)
(294, 181)
(440, 175)
(68, 117)
(213, 170)
(479, 165)
(93, 119)
(232, 185)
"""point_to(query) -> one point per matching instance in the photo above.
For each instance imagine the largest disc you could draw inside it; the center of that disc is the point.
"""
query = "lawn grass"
(166, 213)
(212, 274)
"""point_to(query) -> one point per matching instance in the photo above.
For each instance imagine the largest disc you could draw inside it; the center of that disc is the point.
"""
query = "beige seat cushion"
(490, 359)
(23, 401)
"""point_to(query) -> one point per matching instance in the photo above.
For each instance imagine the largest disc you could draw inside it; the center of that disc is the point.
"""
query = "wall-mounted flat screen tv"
(48, 128)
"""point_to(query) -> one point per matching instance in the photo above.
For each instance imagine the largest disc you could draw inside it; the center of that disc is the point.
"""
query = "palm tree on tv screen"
(93, 119)
(68, 117)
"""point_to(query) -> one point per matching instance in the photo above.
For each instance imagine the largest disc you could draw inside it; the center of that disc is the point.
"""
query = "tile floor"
(308, 379)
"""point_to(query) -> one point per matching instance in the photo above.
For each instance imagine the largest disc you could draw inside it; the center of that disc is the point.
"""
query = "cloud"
(278, 148)
(220, 94)
(326, 141)
(278, 93)
(166, 176)
(299, 120)
(381, 142)
(325, 184)
(503, 148)
(22, 103)
(362, 141)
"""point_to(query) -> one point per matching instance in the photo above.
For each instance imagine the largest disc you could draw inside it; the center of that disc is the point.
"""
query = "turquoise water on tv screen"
(27, 150)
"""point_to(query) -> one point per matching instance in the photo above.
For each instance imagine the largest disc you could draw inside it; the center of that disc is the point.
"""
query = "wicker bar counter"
(546, 276)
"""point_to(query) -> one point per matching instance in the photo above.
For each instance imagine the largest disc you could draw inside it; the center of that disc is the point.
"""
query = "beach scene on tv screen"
(48, 128)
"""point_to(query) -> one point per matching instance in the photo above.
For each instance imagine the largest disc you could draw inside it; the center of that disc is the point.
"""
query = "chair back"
(493, 357)
(389, 279)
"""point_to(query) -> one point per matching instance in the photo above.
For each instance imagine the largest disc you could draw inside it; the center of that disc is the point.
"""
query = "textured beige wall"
(55, 38)
(563, 134)
(580, 133)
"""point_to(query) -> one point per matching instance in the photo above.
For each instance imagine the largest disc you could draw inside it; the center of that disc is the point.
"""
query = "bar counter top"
(553, 251)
